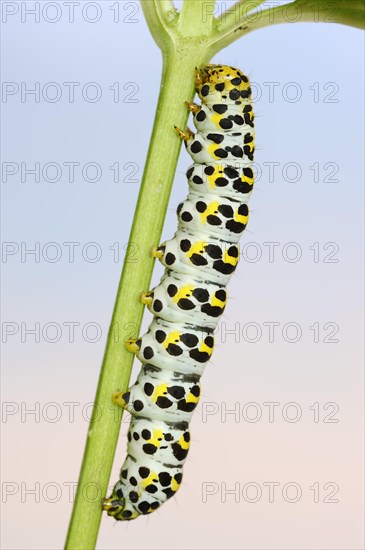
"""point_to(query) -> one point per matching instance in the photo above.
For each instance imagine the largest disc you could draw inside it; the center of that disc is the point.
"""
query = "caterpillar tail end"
(133, 344)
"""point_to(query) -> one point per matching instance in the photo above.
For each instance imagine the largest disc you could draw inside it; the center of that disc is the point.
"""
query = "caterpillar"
(191, 296)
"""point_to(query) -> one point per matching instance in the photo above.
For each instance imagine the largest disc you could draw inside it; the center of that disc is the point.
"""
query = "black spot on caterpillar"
(191, 296)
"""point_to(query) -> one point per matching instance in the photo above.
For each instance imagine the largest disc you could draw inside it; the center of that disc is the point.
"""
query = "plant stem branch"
(236, 14)
(230, 28)
(197, 16)
(167, 10)
(157, 23)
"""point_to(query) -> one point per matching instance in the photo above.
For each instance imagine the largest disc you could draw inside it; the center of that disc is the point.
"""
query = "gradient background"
(43, 451)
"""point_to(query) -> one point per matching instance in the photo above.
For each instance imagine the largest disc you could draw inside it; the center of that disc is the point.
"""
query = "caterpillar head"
(223, 84)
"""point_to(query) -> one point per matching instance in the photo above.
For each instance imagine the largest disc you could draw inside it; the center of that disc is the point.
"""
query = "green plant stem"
(177, 85)
(238, 21)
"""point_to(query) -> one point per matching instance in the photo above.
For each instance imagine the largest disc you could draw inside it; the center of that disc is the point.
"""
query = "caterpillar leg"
(146, 298)
(120, 398)
(198, 78)
(185, 136)
(107, 504)
(157, 252)
(116, 508)
(133, 344)
(193, 107)
(113, 506)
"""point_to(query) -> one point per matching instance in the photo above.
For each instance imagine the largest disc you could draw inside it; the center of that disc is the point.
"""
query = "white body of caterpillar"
(191, 296)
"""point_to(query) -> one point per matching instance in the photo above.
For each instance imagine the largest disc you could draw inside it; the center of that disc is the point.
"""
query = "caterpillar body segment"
(218, 217)
(167, 443)
(164, 395)
(174, 346)
(191, 296)
(223, 118)
(191, 252)
(180, 296)
(233, 181)
(215, 146)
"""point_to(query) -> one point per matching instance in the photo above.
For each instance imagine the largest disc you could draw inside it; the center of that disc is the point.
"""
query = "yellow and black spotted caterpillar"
(191, 296)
